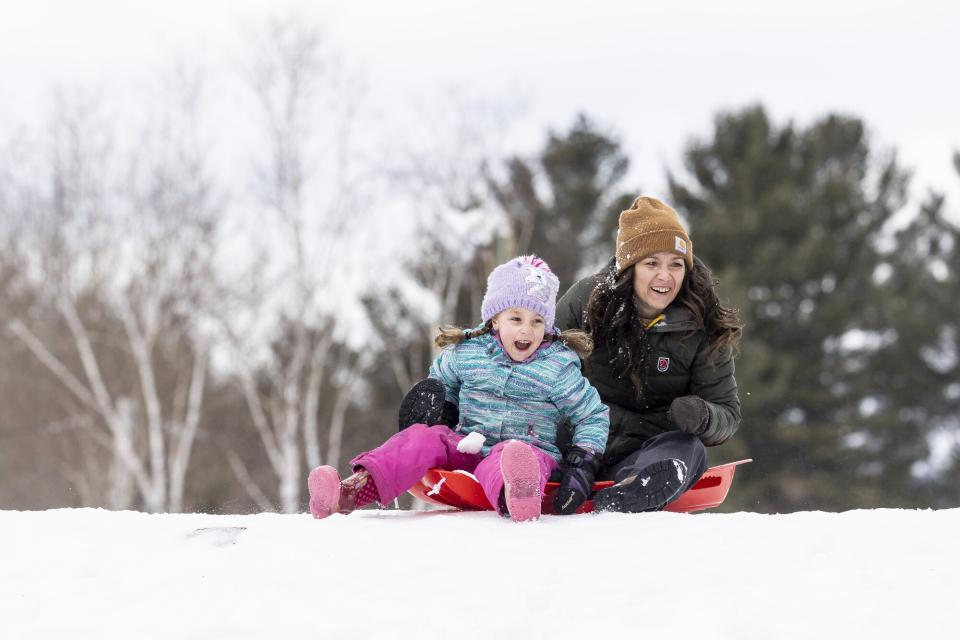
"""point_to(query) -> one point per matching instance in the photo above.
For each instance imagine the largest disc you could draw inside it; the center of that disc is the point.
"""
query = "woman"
(662, 362)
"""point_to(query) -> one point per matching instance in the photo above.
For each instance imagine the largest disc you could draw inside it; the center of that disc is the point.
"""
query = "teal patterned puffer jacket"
(507, 400)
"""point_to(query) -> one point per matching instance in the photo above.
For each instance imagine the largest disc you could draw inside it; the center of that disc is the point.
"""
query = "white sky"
(656, 73)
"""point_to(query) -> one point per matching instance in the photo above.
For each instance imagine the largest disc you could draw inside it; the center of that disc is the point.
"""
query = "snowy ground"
(82, 573)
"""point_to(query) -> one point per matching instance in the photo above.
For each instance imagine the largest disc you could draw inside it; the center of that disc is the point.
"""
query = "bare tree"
(302, 188)
(443, 175)
(122, 269)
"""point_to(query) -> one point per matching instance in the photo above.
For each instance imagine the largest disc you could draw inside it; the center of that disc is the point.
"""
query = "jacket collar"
(677, 318)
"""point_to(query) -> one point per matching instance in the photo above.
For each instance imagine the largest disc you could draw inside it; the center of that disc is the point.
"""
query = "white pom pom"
(472, 443)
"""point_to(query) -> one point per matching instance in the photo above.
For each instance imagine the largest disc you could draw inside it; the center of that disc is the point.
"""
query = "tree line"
(163, 352)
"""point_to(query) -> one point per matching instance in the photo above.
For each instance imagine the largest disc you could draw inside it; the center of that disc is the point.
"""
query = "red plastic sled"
(461, 490)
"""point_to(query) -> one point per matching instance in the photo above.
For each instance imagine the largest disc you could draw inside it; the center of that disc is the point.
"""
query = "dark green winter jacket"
(677, 366)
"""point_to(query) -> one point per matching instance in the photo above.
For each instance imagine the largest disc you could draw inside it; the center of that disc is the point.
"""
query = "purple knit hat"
(524, 282)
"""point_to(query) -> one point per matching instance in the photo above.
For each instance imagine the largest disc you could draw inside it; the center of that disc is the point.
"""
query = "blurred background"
(230, 229)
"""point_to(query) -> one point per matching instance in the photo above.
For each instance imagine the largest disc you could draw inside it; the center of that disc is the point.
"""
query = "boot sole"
(423, 404)
(323, 483)
(521, 481)
(650, 490)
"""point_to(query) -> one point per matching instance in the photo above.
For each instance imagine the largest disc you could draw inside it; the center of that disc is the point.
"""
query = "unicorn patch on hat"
(541, 288)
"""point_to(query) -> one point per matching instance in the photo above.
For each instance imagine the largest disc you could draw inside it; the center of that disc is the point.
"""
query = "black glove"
(450, 415)
(578, 470)
(689, 414)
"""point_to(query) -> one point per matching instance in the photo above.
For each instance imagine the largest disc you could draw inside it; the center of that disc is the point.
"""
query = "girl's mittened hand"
(579, 468)
(472, 443)
(690, 414)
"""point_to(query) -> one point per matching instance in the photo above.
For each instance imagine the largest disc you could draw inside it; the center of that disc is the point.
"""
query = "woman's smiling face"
(656, 282)
(521, 332)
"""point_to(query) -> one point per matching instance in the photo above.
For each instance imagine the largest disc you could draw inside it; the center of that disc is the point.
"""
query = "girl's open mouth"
(522, 345)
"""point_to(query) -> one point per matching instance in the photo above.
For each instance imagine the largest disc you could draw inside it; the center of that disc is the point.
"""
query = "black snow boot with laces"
(649, 490)
(424, 404)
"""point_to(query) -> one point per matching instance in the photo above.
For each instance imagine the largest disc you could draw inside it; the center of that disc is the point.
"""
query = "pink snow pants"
(401, 461)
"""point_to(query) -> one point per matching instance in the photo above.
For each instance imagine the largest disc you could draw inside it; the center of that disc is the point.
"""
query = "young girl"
(513, 378)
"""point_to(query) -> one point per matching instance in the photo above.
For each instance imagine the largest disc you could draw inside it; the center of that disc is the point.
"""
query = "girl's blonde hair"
(577, 340)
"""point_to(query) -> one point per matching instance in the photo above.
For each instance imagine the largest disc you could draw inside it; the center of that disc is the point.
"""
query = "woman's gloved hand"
(689, 414)
(578, 470)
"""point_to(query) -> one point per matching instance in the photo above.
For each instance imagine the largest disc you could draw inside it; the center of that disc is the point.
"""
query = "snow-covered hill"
(81, 573)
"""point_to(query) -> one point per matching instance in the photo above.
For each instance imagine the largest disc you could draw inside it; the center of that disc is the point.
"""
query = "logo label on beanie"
(681, 245)
(663, 364)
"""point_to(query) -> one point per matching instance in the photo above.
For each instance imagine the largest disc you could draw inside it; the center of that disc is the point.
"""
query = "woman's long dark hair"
(612, 319)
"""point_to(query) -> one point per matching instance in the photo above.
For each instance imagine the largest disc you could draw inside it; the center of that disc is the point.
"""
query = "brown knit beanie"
(648, 227)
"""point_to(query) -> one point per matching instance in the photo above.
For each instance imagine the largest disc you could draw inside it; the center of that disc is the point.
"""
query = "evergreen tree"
(913, 383)
(564, 204)
(792, 222)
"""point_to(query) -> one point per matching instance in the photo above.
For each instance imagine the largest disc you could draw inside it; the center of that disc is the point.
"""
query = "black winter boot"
(424, 404)
(649, 490)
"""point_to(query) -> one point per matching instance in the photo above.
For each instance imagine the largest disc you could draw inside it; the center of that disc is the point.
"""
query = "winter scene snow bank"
(85, 573)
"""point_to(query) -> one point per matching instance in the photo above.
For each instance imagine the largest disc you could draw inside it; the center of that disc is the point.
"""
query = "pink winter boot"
(324, 486)
(328, 494)
(357, 491)
(521, 481)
